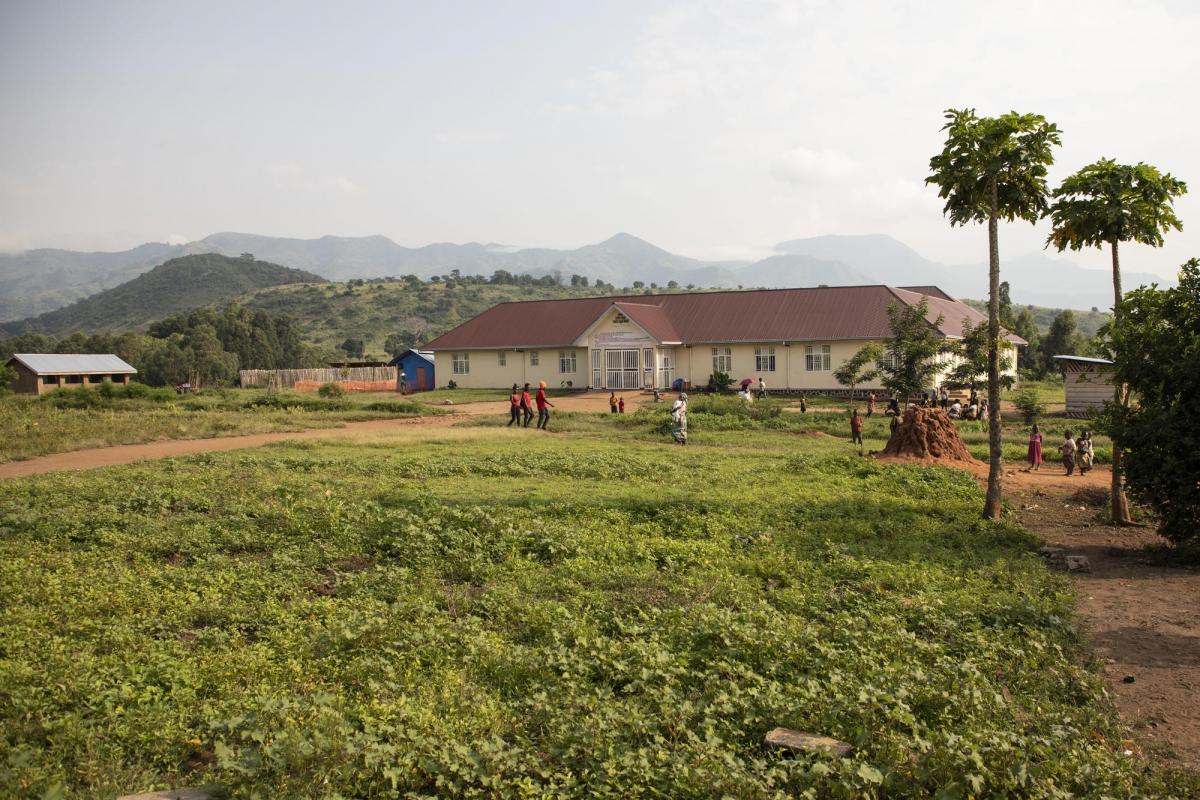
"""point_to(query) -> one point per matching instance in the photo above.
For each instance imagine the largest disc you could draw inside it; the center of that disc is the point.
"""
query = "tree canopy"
(1006, 157)
(1107, 202)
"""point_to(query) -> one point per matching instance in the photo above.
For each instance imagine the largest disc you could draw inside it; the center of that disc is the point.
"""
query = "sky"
(712, 129)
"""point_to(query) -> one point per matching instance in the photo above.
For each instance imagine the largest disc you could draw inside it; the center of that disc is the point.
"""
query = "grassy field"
(503, 613)
(76, 419)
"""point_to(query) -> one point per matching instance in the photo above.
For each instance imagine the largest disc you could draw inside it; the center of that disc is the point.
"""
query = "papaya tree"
(993, 169)
(1102, 205)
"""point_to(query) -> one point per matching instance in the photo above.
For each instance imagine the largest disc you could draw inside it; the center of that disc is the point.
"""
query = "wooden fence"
(287, 378)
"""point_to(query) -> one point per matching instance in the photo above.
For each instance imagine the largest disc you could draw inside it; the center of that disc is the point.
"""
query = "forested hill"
(408, 312)
(175, 286)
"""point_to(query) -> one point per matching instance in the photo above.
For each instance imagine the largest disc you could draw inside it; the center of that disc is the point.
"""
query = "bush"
(7, 376)
(719, 381)
(331, 389)
(1029, 402)
(451, 385)
(1154, 338)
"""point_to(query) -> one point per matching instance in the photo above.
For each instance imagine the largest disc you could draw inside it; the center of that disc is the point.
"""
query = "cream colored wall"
(695, 364)
(486, 372)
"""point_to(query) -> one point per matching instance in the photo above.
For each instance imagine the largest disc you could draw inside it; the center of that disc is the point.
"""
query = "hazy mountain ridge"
(180, 284)
(41, 280)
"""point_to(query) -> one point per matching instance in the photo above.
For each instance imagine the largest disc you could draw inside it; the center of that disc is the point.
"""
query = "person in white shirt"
(955, 410)
(762, 388)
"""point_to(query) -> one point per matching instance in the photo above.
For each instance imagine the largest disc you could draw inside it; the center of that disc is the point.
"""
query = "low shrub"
(331, 390)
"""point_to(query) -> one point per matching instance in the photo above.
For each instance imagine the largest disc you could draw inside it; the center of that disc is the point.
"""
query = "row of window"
(817, 358)
(57, 380)
(461, 362)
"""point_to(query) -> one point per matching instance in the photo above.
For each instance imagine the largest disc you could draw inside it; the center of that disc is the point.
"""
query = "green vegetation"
(76, 419)
(204, 347)
(176, 286)
(1160, 332)
(390, 315)
(494, 613)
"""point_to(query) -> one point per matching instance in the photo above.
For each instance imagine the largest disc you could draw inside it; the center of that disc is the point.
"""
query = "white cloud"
(803, 165)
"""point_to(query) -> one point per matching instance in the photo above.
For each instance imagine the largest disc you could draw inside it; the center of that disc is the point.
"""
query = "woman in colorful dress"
(1034, 456)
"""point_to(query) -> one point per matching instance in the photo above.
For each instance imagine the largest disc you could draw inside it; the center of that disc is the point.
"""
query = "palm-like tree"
(992, 169)
(1107, 203)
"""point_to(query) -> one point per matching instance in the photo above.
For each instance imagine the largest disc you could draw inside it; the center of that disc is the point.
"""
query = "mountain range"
(42, 280)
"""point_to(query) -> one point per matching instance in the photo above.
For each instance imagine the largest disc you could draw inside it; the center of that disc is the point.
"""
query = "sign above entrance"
(620, 338)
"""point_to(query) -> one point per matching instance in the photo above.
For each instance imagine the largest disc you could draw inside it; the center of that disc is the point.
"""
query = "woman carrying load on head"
(679, 420)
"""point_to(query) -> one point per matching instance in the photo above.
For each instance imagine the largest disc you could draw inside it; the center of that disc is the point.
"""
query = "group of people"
(522, 406)
(1077, 453)
(616, 405)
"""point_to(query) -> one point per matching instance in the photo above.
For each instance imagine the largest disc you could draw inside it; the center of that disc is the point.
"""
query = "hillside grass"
(78, 419)
(516, 614)
(372, 310)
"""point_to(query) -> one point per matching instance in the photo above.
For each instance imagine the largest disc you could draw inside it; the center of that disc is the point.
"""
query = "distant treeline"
(206, 347)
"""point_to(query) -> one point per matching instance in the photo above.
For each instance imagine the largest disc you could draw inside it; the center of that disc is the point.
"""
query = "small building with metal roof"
(38, 373)
(794, 339)
(1088, 382)
(414, 371)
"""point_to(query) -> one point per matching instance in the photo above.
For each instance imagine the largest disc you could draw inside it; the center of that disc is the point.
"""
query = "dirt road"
(127, 453)
(1141, 617)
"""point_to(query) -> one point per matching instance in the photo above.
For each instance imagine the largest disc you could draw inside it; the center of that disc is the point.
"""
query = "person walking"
(514, 400)
(1034, 454)
(803, 404)
(762, 388)
(856, 430)
(870, 404)
(679, 419)
(543, 407)
(612, 403)
(1086, 453)
(1068, 450)
(402, 381)
(945, 401)
(620, 405)
(526, 405)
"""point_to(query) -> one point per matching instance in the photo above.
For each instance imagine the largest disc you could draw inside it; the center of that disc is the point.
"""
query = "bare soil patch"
(1140, 615)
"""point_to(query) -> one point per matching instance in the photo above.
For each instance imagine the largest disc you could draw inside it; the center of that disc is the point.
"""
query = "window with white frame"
(817, 358)
(461, 363)
(722, 359)
(566, 361)
(502, 358)
(888, 362)
(764, 359)
(533, 358)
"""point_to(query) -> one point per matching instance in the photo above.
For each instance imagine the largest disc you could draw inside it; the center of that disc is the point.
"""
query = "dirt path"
(173, 448)
(128, 453)
(1141, 618)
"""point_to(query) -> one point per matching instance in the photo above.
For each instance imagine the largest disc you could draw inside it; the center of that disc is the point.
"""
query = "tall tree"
(908, 359)
(992, 169)
(1107, 203)
(974, 357)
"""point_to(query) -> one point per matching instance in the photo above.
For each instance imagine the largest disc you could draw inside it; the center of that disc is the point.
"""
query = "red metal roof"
(767, 315)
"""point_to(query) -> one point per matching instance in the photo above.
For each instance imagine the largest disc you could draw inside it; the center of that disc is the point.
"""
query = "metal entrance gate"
(621, 369)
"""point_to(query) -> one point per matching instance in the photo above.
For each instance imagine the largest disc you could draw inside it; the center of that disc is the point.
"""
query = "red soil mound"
(927, 433)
